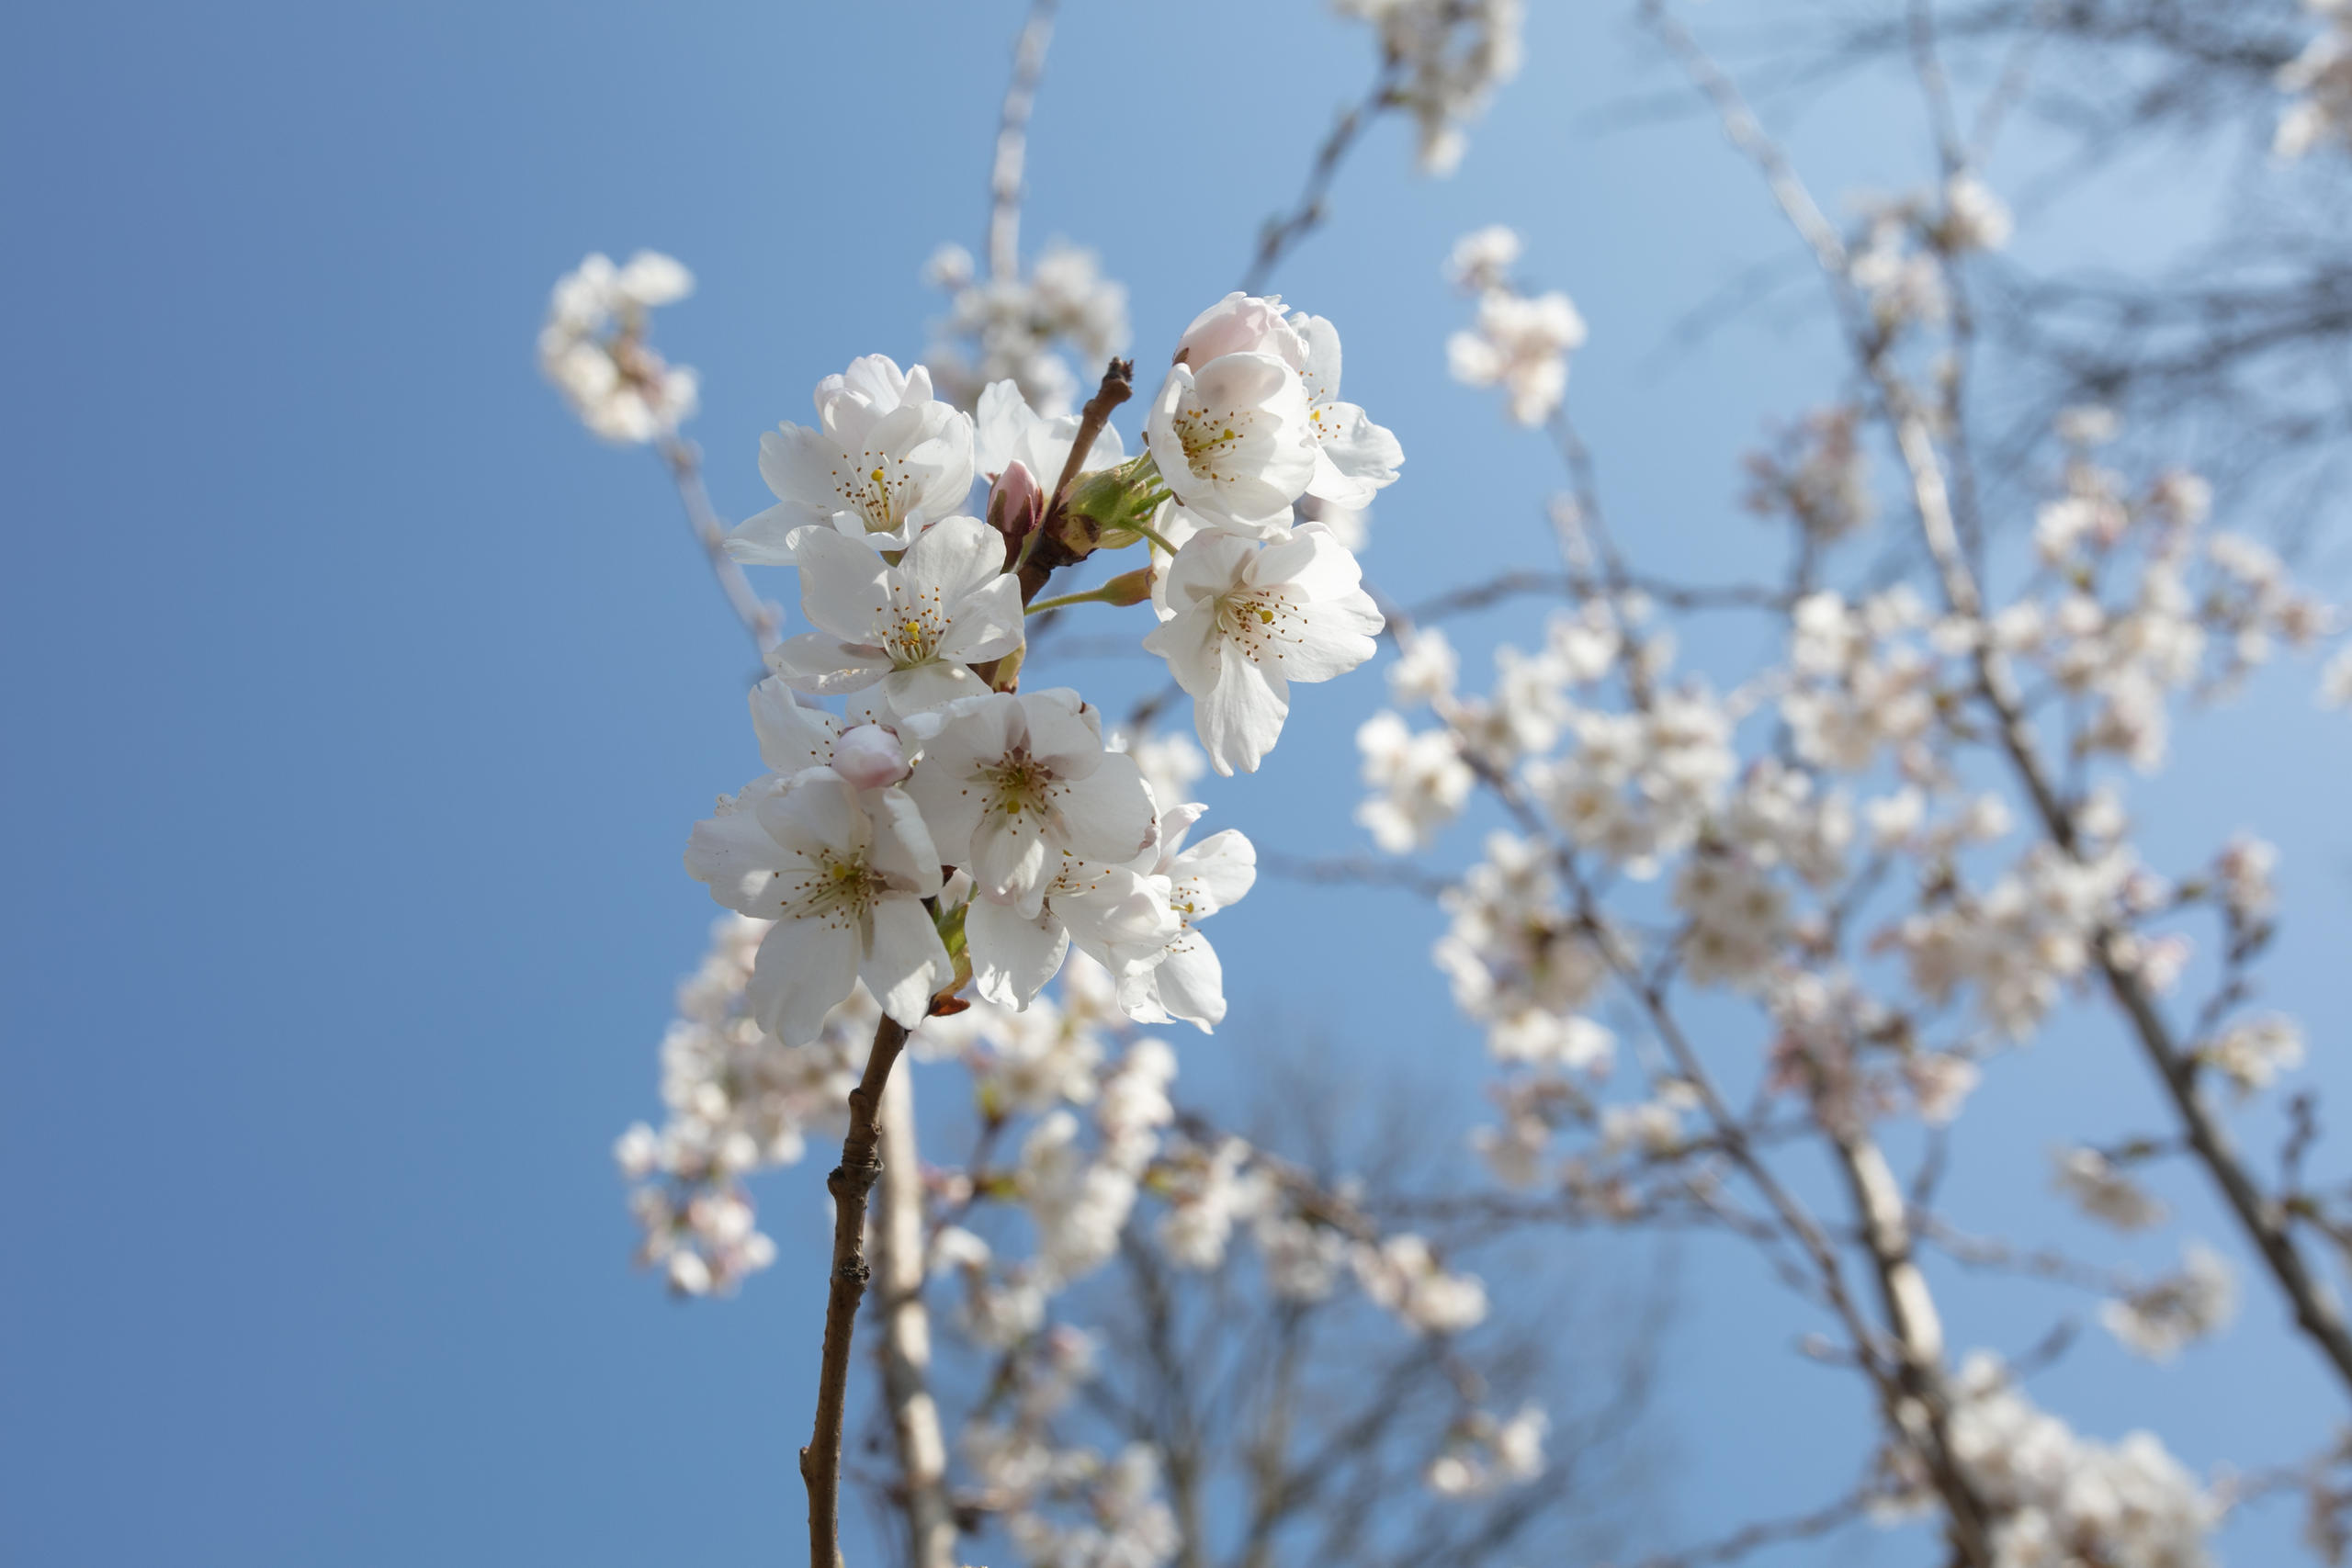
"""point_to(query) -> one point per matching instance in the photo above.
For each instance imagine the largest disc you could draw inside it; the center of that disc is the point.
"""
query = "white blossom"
(916, 628)
(1425, 670)
(1248, 618)
(2157, 1320)
(1403, 1276)
(2103, 1190)
(2321, 80)
(1354, 458)
(1483, 258)
(844, 874)
(1000, 329)
(1233, 439)
(885, 460)
(2252, 1052)
(1454, 54)
(593, 347)
(1484, 1456)
(1420, 782)
(1520, 345)
(1013, 785)
(1007, 430)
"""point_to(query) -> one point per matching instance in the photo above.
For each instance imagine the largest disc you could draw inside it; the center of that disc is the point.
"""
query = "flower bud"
(1016, 505)
(1241, 324)
(869, 757)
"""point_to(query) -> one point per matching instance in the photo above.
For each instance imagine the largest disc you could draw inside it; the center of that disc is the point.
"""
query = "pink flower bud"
(869, 757)
(1241, 324)
(1016, 503)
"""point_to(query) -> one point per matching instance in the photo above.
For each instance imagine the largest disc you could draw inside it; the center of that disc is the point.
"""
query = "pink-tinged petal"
(791, 736)
(825, 665)
(807, 967)
(1012, 957)
(1240, 718)
(1107, 815)
(905, 960)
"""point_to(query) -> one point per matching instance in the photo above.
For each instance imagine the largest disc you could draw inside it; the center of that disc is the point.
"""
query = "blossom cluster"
(2321, 81)
(2058, 1498)
(593, 347)
(1448, 56)
(1008, 329)
(943, 805)
(1519, 343)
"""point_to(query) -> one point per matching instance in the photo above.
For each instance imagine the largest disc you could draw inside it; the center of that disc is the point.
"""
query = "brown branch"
(1047, 549)
(760, 618)
(820, 1461)
(1283, 231)
(1768, 1532)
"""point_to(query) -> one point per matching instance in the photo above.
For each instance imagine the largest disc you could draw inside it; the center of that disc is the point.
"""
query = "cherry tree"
(1724, 926)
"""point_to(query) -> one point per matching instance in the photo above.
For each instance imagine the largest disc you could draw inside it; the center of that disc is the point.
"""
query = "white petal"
(845, 587)
(1108, 814)
(1240, 718)
(825, 665)
(1216, 871)
(791, 736)
(1012, 957)
(907, 962)
(1009, 859)
(1191, 982)
(903, 850)
(805, 968)
(952, 561)
(988, 623)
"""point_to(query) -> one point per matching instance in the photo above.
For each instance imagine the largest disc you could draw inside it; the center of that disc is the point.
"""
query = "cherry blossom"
(885, 460)
(844, 874)
(1246, 619)
(916, 628)
(1520, 345)
(593, 347)
(1013, 785)
(1233, 439)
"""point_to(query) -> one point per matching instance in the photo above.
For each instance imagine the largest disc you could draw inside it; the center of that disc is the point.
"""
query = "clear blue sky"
(358, 704)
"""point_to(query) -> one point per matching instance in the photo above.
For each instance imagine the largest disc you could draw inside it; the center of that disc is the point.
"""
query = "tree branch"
(820, 1461)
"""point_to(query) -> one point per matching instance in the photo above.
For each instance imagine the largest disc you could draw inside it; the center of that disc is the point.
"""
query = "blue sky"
(359, 704)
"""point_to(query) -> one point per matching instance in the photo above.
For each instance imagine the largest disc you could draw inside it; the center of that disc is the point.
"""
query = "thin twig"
(820, 1461)
(759, 617)
(1013, 140)
(1283, 231)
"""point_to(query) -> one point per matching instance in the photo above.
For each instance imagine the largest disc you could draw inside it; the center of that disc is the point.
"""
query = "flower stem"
(1092, 596)
(1146, 530)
